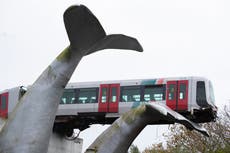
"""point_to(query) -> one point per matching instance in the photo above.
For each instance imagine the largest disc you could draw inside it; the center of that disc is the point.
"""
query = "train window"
(154, 93)
(172, 91)
(114, 94)
(182, 91)
(87, 95)
(104, 95)
(131, 94)
(68, 97)
(201, 93)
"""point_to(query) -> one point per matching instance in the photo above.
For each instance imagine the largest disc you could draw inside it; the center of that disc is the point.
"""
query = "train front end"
(205, 109)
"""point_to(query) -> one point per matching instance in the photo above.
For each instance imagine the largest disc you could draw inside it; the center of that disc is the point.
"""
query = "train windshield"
(211, 91)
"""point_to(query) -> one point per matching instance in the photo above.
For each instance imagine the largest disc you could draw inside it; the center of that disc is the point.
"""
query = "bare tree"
(134, 149)
(156, 148)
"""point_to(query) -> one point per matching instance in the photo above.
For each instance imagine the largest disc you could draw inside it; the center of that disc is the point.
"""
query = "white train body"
(87, 103)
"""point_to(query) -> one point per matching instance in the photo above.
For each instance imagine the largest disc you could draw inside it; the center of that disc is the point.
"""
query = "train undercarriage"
(65, 125)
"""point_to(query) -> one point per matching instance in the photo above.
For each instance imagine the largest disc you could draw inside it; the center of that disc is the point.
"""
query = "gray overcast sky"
(179, 37)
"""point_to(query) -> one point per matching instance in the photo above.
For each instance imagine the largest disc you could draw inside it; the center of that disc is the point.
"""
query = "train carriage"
(103, 102)
(86, 103)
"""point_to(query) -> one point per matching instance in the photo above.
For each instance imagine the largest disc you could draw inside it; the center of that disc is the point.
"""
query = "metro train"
(86, 103)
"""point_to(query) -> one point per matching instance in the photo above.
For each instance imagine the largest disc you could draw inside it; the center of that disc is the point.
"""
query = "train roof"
(131, 82)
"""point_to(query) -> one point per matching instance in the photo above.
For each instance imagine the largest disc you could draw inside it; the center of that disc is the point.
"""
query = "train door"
(4, 105)
(177, 95)
(171, 98)
(182, 102)
(109, 98)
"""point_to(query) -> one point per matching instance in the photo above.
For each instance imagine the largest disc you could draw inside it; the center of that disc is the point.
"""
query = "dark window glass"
(68, 97)
(87, 95)
(154, 93)
(114, 94)
(3, 104)
(201, 94)
(172, 91)
(131, 94)
(182, 91)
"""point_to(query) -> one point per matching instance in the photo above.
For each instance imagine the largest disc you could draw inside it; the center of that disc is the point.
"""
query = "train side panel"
(14, 95)
(75, 109)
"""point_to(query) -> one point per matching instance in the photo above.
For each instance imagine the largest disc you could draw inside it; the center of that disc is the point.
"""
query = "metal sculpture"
(119, 136)
(29, 126)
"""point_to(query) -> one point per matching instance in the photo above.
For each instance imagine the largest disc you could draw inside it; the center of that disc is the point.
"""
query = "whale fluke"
(86, 33)
(116, 41)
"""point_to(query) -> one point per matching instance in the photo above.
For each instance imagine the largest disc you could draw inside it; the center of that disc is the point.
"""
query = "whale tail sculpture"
(86, 33)
(119, 136)
(29, 126)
